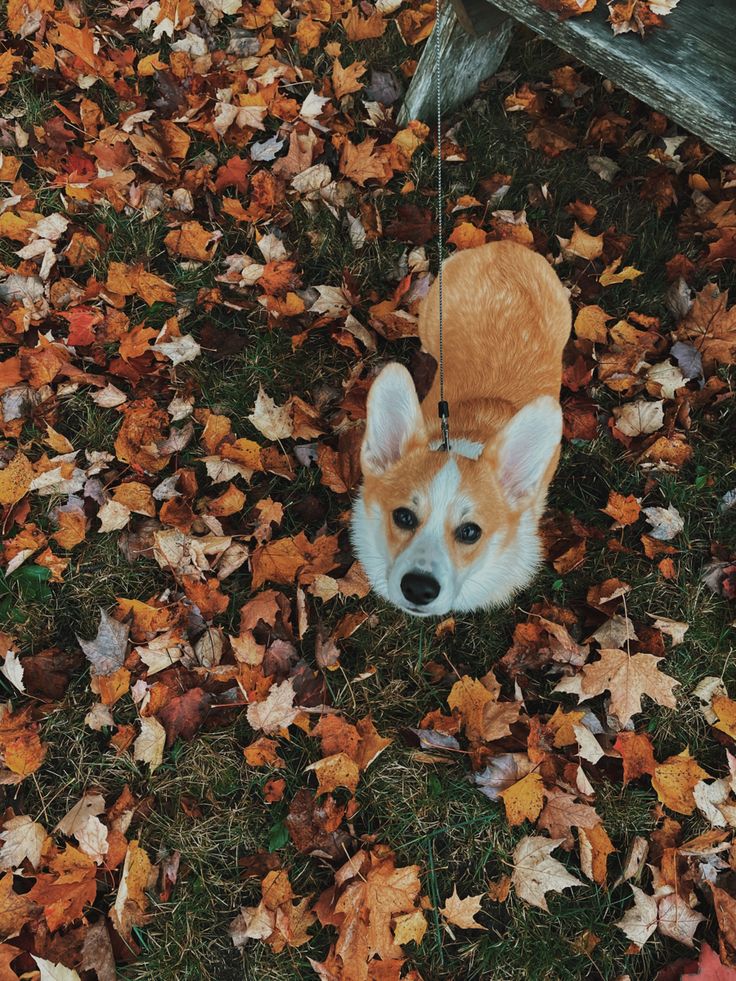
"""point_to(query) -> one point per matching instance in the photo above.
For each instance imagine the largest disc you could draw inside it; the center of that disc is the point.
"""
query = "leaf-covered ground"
(221, 756)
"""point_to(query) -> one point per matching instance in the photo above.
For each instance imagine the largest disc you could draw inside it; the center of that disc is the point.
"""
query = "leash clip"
(444, 414)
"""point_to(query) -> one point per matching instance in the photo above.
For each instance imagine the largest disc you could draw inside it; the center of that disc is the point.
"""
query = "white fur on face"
(492, 579)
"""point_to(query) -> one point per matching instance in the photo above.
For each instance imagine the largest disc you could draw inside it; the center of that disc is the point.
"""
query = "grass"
(204, 801)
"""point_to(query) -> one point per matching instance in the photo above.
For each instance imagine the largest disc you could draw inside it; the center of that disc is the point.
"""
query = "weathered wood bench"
(686, 70)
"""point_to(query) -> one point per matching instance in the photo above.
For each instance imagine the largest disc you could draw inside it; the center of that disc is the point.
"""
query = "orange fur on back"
(506, 320)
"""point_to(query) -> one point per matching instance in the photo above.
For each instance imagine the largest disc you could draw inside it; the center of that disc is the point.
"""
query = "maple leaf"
(271, 420)
(462, 912)
(584, 245)
(640, 922)
(467, 236)
(523, 800)
(639, 418)
(637, 754)
(277, 711)
(149, 745)
(310, 832)
(90, 805)
(252, 923)
(375, 891)
(23, 839)
(92, 839)
(666, 522)
(281, 560)
(66, 889)
(359, 28)
(709, 967)
(183, 714)
(675, 779)
(345, 80)
(624, 509)
(54, 972)
(336, 771)
(536, 873)
(192, 241)
(627, 677)
(359, 163)
(562, 813)
(611, 276)
(676, 919)
(106, 652)
(595, 847)
(15, 910)
(675, 629)
(711, 326)
(131, 903)
(669, 914)
(502, 772)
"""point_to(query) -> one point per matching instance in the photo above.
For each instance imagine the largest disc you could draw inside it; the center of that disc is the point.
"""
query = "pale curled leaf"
(537, 873)
(106, 651)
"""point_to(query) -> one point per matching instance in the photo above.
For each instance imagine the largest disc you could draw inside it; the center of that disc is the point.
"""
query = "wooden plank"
(465, 60)
(477, 17)
(687, 69)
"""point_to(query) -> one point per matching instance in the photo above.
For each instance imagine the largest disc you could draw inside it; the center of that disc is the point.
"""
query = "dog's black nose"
(420, 588)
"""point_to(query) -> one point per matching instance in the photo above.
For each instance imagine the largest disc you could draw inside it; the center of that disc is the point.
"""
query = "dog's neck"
(473, 423)
(461, 447)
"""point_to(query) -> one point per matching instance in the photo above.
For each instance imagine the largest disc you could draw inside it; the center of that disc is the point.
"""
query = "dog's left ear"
(525, 447)
(393, 417)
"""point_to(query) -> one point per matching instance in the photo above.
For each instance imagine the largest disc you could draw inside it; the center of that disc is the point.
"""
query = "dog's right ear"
(394, 416)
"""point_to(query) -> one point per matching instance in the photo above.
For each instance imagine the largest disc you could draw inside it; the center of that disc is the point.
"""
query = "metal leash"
(442, 408)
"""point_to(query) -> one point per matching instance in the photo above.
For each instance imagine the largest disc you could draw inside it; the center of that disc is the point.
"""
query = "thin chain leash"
(442, 408)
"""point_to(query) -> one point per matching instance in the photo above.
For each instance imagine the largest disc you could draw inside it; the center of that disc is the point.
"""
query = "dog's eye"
(468, 533)
(404, 518)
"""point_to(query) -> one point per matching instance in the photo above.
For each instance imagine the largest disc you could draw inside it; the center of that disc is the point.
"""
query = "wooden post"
(467, 58)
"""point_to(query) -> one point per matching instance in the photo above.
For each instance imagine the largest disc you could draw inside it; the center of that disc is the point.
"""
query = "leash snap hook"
(444, 414)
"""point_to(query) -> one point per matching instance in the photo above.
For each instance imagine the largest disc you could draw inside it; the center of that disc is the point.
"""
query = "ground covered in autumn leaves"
(221, 757)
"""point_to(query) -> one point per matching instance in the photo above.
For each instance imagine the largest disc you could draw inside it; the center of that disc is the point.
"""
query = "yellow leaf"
(610, 275)
(586, 246)
(725, 709)
(8, 60)
(15, 479)
(150, 65)
(336, 771)
(410, 927)
(523, 800)
(675, 779)
(470, 697)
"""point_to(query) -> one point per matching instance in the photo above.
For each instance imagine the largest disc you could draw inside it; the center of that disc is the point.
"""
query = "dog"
(438, 532)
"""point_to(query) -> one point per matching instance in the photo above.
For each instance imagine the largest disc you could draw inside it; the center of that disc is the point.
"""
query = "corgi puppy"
(435, 531)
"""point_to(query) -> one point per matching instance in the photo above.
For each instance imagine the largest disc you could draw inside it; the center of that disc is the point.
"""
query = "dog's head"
(440, 531)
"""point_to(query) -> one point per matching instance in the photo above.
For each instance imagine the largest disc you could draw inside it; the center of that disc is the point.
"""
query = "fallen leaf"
(149, 745)
(627, 677)
(640, 922)
(462, 912)
(536, 873)
(277, 711)
(106, 652)
(523, 800)
(675, 779)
